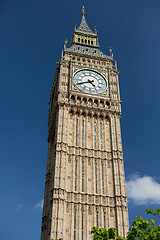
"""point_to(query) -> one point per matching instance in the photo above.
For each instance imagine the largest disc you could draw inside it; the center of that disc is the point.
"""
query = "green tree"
(103, 234)
(140, 229)
(145, 229)
(57, 239)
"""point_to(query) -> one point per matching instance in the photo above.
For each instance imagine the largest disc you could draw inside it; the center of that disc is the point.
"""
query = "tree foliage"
(103, 234)
(58, 239)
(140, 229)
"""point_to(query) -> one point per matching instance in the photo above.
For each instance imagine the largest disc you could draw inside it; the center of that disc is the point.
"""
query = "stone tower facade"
(85, 181)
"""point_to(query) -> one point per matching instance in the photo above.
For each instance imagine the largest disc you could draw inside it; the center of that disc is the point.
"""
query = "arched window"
(101, 135)
(102, 179)
(74, 225)
(73, 99)
(95, 103)
(82, 176)
(82, 225)
(84, 101)
(76, 176)
(82, 133)
(104, 220)
(96, 176)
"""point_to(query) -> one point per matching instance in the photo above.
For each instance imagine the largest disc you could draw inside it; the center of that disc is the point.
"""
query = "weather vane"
(83, 11)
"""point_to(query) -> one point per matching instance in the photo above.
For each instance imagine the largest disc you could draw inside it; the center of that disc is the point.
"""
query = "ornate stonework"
(85, 182)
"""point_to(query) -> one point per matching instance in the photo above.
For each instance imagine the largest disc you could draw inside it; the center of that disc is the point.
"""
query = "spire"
(85, 42)
(83, 11)
(83, 27)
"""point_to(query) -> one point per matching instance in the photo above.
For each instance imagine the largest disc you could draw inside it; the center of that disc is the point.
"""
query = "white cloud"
(19, 206)
(39, 204)
(143, 190)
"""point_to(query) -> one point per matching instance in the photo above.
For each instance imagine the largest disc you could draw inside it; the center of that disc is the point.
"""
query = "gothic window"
(97, 219)
(95, 103)
(82, 133)
(101, 135)
(85, 41)
(90, 102)
(101, 103)
(82, 176)
(104, 220)
(75, 225)
(82, 40)
(76, 176)
(91, 42)
(84, 101)
(78, 39)
(96, 176)
(102, 179)
(107, 104)
(95, 135)
(88, 41)
(73, 99)
(78, 100)
(82, 225)
(76, 132)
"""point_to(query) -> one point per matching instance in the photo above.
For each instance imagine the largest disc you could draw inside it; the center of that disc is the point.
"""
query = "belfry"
(85, 181)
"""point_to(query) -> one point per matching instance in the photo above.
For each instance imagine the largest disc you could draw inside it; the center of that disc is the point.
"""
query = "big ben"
(85, 181)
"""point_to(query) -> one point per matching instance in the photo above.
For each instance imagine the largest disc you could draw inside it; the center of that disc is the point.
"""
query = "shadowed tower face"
(85, 182)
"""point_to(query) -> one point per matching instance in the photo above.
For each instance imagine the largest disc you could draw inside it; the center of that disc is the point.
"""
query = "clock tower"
(85, 181)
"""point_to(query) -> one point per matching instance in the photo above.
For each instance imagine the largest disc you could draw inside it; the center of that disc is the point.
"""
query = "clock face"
(89, 81)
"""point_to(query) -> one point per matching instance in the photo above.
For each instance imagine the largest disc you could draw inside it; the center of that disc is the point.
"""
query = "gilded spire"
(83, 11)
(83, 27)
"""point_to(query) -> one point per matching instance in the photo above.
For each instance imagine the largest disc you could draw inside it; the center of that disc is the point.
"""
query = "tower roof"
(85, 42)
(83, 27)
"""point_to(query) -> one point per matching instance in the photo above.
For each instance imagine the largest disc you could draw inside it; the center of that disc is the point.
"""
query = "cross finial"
(95, 30)
(65, 43)
(111, 53)
(110, 49)
(83, 11)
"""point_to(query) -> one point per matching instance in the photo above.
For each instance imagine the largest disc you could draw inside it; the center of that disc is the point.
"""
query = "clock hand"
(82, 82)
(91, 81)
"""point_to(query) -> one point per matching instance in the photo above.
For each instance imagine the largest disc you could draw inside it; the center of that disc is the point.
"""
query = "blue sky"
(31, 41)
